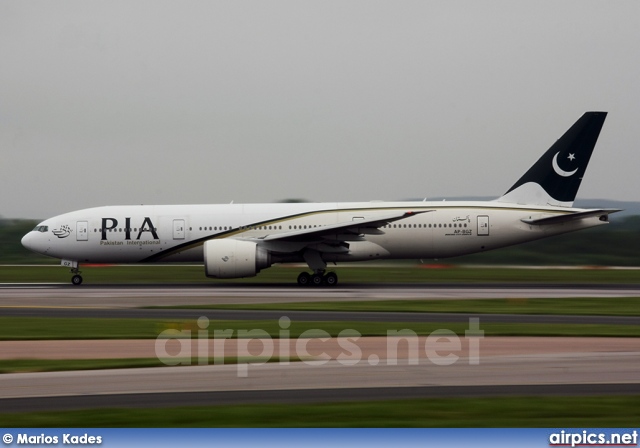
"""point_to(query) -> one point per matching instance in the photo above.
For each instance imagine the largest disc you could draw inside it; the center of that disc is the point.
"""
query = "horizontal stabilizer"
(559, 219)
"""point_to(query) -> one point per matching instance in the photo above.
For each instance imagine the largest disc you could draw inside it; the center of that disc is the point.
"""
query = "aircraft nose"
(28, 241)
(33, 242)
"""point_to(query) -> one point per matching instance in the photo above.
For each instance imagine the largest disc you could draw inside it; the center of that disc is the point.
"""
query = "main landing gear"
(318, 266)
(317, 279)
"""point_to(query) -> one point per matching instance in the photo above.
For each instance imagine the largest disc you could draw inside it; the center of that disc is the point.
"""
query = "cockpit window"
(41, 229)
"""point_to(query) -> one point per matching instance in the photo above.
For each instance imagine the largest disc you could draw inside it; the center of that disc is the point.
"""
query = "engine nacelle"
(229, 258)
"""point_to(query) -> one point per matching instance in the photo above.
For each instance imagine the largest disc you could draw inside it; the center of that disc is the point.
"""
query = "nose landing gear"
(74, 267)
(77, 279)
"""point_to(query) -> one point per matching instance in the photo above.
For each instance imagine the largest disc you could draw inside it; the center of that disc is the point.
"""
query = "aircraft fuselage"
(176, 233)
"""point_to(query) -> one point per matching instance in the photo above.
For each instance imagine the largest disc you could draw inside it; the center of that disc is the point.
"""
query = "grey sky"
(121, 102)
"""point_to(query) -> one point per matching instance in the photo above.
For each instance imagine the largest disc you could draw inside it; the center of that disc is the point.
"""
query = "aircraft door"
(483, 225)
(82, 231)
(178, 229)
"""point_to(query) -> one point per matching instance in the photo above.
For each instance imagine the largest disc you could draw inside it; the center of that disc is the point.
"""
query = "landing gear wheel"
(316, 279)
(331, 279)
(304, 279)
(76, 279)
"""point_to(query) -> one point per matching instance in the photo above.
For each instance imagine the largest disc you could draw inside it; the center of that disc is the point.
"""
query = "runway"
(129, 302)
(116, 296)
(361, 363)
(523, 366)
(346, 378)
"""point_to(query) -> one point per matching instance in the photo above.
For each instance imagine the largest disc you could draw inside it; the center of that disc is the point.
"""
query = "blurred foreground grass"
(61, 365)
(597, 306)
(53, 328)
(540, 412)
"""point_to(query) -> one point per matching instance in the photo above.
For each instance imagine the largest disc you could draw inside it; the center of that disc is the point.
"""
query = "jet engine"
(229, 258)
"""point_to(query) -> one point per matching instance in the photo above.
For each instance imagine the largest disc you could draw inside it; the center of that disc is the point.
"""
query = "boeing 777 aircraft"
(239, 240)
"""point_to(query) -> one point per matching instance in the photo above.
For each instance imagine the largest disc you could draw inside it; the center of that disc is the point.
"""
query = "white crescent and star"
(559, 171)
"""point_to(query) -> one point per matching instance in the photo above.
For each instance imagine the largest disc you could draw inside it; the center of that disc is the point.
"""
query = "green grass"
(51, 365)
(576, 412)
(42, 328)
(56, 365)
(360, 273)
(613, 306)
(108, 274)
(51, 328)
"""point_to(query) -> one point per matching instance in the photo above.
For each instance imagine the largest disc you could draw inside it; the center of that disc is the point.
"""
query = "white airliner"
(239, 240)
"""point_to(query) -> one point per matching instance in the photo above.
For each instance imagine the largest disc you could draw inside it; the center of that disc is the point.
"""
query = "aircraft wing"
(558, 219)
(342, 231)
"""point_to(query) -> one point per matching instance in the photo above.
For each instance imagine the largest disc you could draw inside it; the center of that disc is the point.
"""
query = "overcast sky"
(131, 102)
